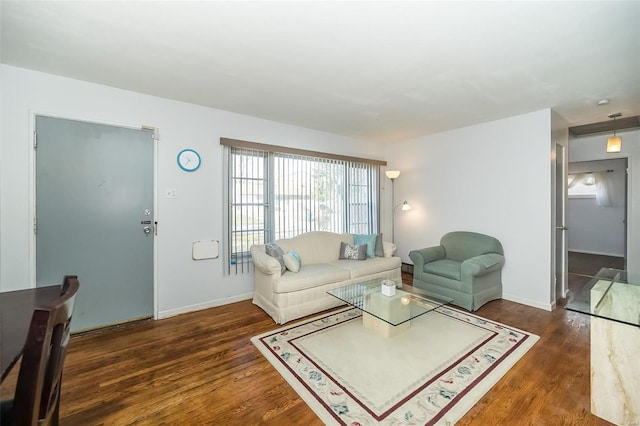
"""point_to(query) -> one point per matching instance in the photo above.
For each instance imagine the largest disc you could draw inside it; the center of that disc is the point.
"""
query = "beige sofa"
(293, 295)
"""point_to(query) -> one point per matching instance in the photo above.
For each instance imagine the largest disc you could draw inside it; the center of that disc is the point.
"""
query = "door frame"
(32, 190)
(561, 270)
(559, 250)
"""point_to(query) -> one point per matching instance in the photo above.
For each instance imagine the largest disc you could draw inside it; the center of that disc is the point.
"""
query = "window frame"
(237, 261)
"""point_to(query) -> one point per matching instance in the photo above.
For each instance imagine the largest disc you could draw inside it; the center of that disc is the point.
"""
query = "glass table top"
(408, 302)
(613, 294)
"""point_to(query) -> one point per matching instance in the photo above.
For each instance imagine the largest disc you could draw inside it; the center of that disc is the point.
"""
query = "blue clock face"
(189, 160)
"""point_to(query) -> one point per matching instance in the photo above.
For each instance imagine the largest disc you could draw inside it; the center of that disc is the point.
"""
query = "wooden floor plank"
(200, 368)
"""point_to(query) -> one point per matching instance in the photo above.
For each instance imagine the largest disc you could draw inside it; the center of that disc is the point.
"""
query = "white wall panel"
(195, 214)
(493, 178)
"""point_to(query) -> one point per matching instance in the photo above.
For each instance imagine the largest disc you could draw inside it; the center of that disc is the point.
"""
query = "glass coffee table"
(388, 316)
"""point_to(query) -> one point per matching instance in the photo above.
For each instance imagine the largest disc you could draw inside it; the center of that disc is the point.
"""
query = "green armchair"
(466, 267)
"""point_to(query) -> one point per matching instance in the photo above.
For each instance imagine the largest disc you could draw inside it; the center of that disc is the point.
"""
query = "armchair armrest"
(263, 262)
(480, 265)
(426, 255)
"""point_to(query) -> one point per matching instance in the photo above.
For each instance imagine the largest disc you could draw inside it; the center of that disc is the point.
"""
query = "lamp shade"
(392, 174)
(614, 144)
(406, 206)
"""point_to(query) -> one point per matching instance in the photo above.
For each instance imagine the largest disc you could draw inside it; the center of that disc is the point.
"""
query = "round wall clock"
(189, 160)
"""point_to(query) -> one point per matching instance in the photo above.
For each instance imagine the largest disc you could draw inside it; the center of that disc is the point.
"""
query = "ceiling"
(380, 71)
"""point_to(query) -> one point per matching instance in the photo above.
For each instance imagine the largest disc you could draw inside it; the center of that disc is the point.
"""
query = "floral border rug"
(431, 374)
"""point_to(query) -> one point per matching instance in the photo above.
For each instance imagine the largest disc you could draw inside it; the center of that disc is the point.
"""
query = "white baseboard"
(205, 305)
(528, 302)
(597, 252)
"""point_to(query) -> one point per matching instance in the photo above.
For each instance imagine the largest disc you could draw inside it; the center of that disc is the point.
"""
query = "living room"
(494, 176)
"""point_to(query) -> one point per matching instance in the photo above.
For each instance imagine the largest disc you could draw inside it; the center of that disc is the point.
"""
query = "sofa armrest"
(481, 265)
(426, 255)
(263, 262)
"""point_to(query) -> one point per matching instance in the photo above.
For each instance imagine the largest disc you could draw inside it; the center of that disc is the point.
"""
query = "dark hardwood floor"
(201, 369)
(590, 264)
(583, 267)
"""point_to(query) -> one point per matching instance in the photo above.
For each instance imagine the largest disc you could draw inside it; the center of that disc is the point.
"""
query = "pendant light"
(614, 143)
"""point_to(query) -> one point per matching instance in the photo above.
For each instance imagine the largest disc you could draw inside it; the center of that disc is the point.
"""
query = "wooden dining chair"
(37, 396)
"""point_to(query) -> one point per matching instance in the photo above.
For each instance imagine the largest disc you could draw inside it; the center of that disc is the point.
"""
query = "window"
(582, 186)
(591, 185)
(276, 193)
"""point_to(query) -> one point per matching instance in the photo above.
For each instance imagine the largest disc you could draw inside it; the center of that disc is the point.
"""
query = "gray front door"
(94, 199)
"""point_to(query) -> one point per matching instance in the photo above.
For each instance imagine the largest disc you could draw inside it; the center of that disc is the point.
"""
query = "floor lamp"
(393, 175)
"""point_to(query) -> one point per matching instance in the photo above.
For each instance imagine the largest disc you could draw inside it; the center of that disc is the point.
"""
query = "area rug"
(431, 374)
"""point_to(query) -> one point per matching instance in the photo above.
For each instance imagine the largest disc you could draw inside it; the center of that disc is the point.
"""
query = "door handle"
(146, 230)
(562, 228)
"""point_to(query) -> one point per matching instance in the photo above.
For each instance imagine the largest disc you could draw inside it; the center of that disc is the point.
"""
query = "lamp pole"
(392, 175)
(393, 215)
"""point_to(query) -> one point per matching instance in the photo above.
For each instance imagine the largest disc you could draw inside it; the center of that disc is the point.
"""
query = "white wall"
(589, 148)
(599, 229)
(493, 178)
(196, 213)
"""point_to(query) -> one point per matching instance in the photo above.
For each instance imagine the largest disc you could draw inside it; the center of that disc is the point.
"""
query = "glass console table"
(612, 294)
(612, 298)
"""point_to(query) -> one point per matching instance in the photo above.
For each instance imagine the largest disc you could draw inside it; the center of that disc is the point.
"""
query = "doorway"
(598, 225)
(94, 209)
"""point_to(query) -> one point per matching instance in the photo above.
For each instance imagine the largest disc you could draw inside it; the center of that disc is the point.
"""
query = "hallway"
(583, 267)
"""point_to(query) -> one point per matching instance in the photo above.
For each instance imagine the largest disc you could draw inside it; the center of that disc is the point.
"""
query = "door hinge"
(35, 140)
(35, 225)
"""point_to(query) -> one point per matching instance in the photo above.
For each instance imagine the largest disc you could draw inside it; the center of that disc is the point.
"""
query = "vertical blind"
(273, 195)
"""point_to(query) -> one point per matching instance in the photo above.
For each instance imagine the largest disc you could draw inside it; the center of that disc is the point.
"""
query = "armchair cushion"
(444, 268)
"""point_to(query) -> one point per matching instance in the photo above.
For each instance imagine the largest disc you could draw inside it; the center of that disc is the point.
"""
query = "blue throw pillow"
(296, 255)
(292, 261)
(369, 240)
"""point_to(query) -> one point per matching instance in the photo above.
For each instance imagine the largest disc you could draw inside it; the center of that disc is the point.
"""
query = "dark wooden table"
(16, 310)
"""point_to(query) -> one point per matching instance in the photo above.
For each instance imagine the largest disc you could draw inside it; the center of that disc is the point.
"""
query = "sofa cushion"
(444, 267)
(373, 266)
(310, 276)
(316, 247)
(274, 250)
(352, 252)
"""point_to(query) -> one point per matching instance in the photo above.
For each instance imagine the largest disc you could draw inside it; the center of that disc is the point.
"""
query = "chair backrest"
(463, 245)
(37, 396)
